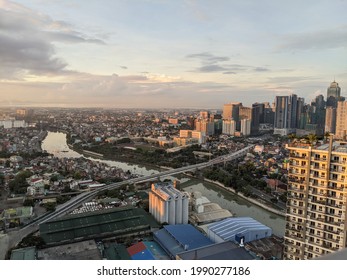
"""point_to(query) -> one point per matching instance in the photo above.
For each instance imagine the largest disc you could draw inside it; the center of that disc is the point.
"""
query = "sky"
(169, 54)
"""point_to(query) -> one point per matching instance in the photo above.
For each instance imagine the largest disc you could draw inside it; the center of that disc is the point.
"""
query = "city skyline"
(158, 54)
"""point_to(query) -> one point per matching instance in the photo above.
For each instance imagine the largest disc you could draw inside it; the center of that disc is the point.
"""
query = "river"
(55, 143)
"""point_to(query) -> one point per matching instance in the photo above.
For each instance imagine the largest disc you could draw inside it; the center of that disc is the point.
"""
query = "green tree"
(312, 138)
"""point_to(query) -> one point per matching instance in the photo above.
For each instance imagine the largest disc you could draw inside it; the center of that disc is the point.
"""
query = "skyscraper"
(282, 115)
(231, 111)
(330, 120)
(333, 94)
(293, 108)
(316, 221)
(341, 120)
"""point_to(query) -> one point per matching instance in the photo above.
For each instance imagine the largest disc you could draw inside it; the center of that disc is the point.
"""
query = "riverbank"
(156, 168)
(249, 199)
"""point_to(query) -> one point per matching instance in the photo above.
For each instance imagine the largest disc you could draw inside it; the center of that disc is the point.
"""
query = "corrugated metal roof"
(136, 248)
(220, 251)
(227, 228)
(188, 235)
(178, 238)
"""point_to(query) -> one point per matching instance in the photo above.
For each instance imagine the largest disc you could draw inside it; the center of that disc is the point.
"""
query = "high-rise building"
(167, 204)
(341, 120)
(333, 94)
(330, 120)
(229, 127)
(231, 111)
(300, 111)
(261, 110)
(269, 114)
(204, 115)
(205, 125)
(293, 111)
(245, 127)
(282, 115)
(316, 221)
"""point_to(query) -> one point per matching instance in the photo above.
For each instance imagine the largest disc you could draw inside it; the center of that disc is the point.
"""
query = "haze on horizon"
(169, 54)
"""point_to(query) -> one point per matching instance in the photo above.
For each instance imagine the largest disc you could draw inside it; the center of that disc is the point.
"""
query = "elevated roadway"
(73, 203)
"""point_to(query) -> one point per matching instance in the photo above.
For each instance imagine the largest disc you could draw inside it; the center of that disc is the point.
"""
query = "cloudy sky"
(172, 54)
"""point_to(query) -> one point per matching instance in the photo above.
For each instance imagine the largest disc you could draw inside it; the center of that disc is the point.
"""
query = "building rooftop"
(227, 228)
(85, 250)
(147, 250)
(115, 221)
(113, 251)
(337, 146)
(28, 253)
(178, 238)
(220, 251)
(212, 212)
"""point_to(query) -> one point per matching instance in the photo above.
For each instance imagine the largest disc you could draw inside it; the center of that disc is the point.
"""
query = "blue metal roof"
(143, 255)
(178, 238)
(187, 235)
(228, 228)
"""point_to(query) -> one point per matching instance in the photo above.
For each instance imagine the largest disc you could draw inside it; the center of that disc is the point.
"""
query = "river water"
(55, 143)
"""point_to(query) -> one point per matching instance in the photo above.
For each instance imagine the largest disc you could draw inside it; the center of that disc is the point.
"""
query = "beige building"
(231, 111)
(341, 120)
(330, 120)
(317, 195)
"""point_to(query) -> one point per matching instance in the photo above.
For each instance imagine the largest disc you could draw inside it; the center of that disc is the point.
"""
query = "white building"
(168, 205)
(229, 127)
(246, 127)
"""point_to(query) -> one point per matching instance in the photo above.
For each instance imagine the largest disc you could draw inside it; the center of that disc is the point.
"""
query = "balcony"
(315, 235)
(336, 179)
(314, 192)
(308, 225)
(295, 197)
(294, 236)
(320, 202)
(335, 188)
(292, 155)
(326, 229)
(318, 159)
(335, 240)
(313, 167)
(293, 245)
(333, 215)
(296, 180)
(291, 228)
(301, 216)
(334, 205)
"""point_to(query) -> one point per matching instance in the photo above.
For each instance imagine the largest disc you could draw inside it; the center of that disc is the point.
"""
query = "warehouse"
(237, 229)
(113, 222)
(220, 251)
(175, 239)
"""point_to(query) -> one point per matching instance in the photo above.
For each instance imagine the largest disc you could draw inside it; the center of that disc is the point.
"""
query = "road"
(13, 238)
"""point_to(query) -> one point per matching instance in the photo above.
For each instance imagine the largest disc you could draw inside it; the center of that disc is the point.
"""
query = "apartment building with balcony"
(316, 221)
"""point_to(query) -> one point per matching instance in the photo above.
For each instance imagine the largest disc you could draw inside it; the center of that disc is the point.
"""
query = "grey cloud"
(123, 67)
(322, 39)
(261, 69)
(211, 68)
(229, 73)
(27, 54)
(207, 57)
(71, 37)
(26, 42)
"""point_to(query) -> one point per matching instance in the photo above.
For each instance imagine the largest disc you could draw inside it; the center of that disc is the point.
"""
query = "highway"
(73, 203)
(84, 197)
